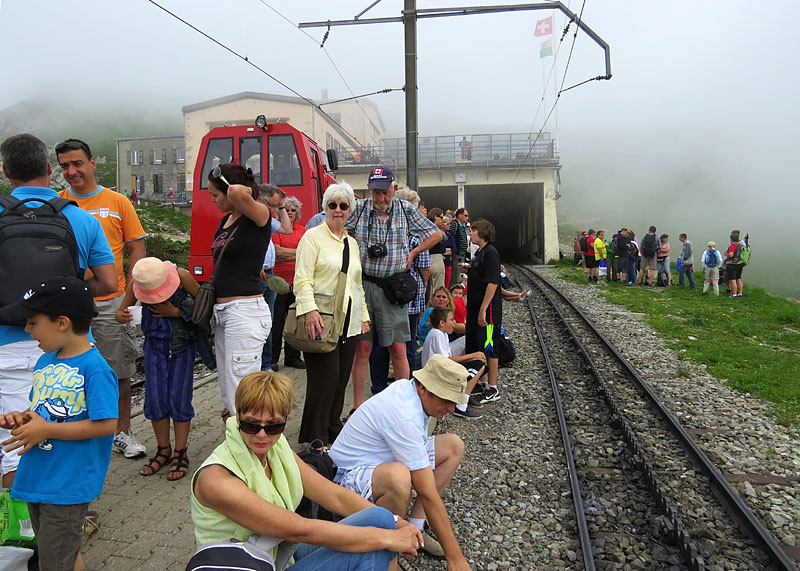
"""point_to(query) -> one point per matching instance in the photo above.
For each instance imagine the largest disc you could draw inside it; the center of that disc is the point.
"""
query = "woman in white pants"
(242, 316)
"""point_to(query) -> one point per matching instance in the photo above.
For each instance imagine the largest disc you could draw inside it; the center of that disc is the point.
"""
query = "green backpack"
(743, 253)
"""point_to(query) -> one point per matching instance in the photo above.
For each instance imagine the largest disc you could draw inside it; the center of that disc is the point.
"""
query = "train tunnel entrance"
(517, 212)
(444, 197)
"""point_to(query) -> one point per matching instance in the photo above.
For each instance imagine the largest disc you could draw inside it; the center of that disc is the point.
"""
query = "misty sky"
(698, 122)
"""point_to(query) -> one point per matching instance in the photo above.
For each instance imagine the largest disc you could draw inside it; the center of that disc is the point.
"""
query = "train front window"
(219, 151)
(250, 155)
(284, 163)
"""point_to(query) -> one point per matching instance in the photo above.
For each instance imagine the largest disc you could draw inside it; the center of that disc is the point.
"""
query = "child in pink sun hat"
(167, 294)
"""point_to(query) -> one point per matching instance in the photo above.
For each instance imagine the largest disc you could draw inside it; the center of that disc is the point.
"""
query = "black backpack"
(584, 244)
(506, 350)
(324, 465)
(35, 244)
(649, 246)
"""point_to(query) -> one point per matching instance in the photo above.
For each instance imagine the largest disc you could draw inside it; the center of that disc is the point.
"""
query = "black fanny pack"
(399, 288)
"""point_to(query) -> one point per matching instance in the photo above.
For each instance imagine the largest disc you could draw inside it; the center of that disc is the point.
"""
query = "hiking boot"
(468, 414)
(125, 443)
(491, 394)
(431, 546)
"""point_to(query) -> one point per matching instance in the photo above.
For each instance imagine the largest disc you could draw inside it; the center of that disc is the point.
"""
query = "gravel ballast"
(509, 501)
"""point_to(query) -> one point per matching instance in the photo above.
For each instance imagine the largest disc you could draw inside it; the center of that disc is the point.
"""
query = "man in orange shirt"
(121, 226)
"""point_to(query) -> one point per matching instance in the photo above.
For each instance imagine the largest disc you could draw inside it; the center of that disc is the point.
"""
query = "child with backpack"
(65, 436)
(167, 293)
(712, 260)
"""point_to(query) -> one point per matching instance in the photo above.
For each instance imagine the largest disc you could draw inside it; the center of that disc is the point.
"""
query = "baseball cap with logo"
(380, 178)
(63, 295)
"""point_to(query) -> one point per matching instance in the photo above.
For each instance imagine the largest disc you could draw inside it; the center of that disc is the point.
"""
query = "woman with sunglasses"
(241, 313)
(252, 484)
(317, 267)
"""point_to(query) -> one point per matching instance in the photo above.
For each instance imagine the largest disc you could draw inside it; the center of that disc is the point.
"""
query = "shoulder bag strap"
(221, 253)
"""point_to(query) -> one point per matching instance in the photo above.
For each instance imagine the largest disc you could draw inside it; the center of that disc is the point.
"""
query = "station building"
(511, 179)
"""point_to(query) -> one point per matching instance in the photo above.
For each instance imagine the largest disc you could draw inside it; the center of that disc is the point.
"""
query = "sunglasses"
(73, 145)
(291, 210)
(271, 428)
(217, 173)
(342, 206)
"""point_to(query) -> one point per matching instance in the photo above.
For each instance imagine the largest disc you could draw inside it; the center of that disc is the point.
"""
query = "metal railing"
(509, 150)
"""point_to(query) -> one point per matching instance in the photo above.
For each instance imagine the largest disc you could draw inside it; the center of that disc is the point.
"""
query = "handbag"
(207, 296)
(250, 555)
(330, 309)
(399, 288)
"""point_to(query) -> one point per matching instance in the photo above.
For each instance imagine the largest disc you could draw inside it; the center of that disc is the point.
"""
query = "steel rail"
(750, 524)
(675, 530)
(575, 486)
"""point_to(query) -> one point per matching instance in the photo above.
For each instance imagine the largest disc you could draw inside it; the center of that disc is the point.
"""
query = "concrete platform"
(145, 522)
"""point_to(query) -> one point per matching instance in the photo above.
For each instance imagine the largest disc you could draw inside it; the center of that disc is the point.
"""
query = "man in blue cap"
(382, 224)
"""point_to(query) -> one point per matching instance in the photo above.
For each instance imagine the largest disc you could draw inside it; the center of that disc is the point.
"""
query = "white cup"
(136, 311)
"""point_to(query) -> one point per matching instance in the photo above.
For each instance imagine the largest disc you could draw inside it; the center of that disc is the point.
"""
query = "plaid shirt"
(368, 227)
(423, 260)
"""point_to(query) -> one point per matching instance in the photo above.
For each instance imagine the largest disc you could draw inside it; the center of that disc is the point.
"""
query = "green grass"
(753, 342)
(161, 219)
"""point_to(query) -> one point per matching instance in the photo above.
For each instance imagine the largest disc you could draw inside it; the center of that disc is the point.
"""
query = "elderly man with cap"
(382, 225)
(384, 450)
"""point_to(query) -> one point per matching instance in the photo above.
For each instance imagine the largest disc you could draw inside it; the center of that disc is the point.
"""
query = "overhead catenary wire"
(257, 67)
(561, 89)
(353, 96)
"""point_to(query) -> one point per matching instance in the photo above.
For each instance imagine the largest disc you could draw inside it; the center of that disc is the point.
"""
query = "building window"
(158, 156)
(158, 183)
(134, 157)
(181, 154)
(137, 184)
(180, 182)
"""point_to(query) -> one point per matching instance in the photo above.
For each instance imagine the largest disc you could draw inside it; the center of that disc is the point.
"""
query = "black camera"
(377, 251)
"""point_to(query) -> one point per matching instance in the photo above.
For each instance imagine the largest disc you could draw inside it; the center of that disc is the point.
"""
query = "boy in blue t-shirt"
(65, 437)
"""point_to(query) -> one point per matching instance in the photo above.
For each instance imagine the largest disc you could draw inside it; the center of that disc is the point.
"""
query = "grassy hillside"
(752, 342)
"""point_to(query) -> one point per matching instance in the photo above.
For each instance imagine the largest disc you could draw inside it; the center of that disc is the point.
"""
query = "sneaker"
(468, 414)
(475, 402)
(296, 364)
(125, 443)
(491, 394)
(431, 546)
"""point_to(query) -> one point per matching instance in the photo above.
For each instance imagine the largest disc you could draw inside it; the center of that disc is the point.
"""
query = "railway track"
(645, 495)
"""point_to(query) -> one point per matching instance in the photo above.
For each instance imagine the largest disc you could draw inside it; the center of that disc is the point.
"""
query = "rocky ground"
(509, 501)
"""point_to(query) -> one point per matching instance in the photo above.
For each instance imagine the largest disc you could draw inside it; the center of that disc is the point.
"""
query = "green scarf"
(285, 489)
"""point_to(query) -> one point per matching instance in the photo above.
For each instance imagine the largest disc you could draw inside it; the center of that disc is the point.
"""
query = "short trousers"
(591, 261)
(472, 368)
(387, 320)
(622, 265)
(115, 341)
(59, 530)
(649, 262)
(664, 266)
(359, 479)
(169, 380)
(733, 272)
(476, 337)
(16, 373)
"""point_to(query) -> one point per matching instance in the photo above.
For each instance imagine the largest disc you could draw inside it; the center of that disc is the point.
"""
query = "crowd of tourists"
(379, 286)
(646, 260)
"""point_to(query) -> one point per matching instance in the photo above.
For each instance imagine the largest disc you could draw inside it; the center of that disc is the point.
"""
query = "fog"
(696, 132)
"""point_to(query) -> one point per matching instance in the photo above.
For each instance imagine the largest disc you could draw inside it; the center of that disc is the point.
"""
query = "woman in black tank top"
(243, 320)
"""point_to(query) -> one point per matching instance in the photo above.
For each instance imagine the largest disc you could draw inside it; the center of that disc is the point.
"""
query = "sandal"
(179, 467)
(156, 462)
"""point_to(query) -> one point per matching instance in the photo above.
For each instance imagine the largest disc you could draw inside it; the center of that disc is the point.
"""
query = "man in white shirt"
(384, 450)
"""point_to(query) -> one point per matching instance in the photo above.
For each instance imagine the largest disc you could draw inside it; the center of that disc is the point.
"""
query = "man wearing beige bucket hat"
(384, 450)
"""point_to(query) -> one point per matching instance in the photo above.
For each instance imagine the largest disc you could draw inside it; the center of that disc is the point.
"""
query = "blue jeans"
(310, 557)
(688, 271)
(269, 296)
